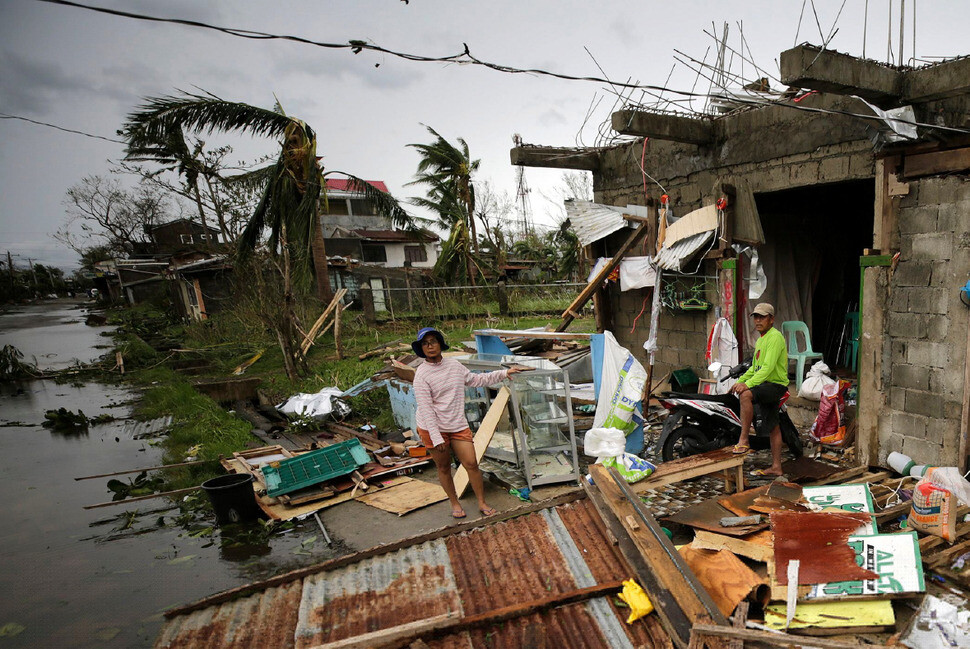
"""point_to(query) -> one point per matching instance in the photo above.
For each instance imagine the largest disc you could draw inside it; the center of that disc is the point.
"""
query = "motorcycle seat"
(726, 399)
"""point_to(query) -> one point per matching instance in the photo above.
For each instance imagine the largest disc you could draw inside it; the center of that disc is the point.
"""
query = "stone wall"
(926, 323)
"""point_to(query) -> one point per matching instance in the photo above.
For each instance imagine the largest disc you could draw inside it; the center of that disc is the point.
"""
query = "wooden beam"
(672, 617)
(669, 567)
(385, 637)
(555, 157)
(661, 126)
(484, 435)
(147, 468)
(499, 615)
(939, 162)
(587, 292)
(161, 494)
(964, 447)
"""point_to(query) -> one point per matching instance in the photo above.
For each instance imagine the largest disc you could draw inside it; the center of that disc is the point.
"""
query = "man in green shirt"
(765, 383)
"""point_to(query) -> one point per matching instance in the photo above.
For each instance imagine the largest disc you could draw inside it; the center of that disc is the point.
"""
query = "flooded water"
(72, 577)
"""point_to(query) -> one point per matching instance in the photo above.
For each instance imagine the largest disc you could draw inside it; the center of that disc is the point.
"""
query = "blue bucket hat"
(424, 331)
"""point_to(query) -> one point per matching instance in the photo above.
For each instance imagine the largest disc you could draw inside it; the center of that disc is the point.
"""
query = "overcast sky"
(82, 70)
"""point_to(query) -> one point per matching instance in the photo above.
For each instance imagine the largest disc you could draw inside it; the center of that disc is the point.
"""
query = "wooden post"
(367, 303)
(965, 417)
(336, 330)
(503, 298)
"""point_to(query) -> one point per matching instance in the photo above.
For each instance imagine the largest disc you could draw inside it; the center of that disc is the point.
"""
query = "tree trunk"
(198, 202)
(220, 212)
(322, 273)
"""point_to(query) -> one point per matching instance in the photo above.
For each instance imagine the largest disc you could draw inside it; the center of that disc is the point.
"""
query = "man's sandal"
(740, 449)
(458, 513)
(763, 473)
(488, 511)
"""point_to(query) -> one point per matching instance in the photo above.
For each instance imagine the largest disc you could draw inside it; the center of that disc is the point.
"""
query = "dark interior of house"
(814, 238)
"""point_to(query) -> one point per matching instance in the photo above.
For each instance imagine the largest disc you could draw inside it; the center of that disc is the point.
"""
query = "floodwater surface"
(71, 577)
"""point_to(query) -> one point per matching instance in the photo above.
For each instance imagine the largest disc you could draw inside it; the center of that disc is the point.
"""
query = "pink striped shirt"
(439, 389)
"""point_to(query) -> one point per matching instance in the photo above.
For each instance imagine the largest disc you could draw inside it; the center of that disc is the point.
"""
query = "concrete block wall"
(926, 323)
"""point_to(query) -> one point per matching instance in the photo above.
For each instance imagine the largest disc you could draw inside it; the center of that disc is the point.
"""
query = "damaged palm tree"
(291, 189)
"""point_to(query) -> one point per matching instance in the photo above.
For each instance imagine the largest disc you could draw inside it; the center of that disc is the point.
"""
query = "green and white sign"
(894, 557)
(852, 498)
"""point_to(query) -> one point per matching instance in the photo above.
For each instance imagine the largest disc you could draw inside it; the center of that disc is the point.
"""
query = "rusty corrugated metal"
(396, 588)
(528, 558)
(265, 619)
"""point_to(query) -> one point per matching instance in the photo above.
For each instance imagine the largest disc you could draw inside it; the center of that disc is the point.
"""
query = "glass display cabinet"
(542, 439)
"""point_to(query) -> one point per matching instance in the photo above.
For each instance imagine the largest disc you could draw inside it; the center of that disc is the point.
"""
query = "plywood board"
(707, 515)
(871, 615)
(725, 577)
(700, 220)
(895, 558)
(806, 469)
(740, 503)
(405, 497)
(484, 435)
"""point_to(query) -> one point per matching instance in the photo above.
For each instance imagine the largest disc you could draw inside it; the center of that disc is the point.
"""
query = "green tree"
(291, 187)
(447, 171)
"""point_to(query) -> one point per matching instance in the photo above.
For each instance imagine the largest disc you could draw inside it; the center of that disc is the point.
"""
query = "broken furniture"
(791, 329)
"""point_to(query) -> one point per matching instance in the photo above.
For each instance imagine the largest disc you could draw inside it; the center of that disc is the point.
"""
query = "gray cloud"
(31, 86)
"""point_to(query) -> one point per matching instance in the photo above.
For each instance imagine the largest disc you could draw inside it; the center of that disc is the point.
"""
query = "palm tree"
(447, 171)
(292, 186)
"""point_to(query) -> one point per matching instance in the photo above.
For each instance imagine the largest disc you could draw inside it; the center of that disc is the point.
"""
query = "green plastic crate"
(314, 467)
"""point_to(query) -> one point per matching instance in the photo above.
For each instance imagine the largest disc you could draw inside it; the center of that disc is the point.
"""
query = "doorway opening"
(814, 237)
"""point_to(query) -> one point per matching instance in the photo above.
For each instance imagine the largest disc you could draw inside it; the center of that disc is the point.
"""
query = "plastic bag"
(318, 406)
(829, 425)
(933, 511)
(632, 468)
(816, 380)
(950, 478)
(604, 442)
(621, 387)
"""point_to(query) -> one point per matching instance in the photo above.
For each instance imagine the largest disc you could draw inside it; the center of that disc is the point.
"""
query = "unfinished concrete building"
(859, 218)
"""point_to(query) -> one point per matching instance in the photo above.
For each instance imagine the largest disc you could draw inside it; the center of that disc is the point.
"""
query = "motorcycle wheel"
(684, 442)
(790, 436)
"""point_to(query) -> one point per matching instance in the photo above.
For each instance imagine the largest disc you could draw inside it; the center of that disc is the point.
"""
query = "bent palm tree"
(291, 188)
(447, 171)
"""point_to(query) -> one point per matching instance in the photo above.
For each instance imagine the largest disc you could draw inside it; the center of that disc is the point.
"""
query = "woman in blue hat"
(439, 388)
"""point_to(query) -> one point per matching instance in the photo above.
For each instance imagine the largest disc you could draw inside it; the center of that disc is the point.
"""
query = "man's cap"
(764, 309)
(424, 331)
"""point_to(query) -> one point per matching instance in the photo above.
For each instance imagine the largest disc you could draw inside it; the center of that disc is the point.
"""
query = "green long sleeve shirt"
(770, 362)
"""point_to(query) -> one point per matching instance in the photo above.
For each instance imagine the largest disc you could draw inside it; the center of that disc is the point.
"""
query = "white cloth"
(637, 272)
(724, 350)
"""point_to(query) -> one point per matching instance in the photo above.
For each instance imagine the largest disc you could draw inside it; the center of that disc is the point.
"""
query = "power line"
(60, 128)
(466, 58)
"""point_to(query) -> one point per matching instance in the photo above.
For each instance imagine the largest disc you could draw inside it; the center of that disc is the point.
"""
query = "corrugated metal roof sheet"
(527, 558)
(593, 221)
(347, 185)
(674, 257)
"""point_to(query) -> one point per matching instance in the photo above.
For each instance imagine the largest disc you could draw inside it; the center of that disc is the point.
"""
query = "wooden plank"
(484, 435)
(774, 639)
(869, 477)
(160, 494)
(587, 292)
(670, 568)
(534, 335)
(839, 478)
(673, 619)
(938, 162)
(384, 637)
(689, 467)
(312, 334)
(379, 550)
(147, 468)
(497, 616)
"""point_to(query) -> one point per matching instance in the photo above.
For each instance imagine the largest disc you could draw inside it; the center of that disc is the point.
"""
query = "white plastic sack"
(816, 379)
(637, 272)
(630, 467)
(604, 442)
(318, 406)
(621, 387)
(950, 478)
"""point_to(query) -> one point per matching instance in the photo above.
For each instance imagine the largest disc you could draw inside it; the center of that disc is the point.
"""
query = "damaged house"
(844, 202)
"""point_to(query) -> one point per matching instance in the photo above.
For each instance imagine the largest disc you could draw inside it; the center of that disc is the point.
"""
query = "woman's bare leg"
(442, 459)
(465, 451)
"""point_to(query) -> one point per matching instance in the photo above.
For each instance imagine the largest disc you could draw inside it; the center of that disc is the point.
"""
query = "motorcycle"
(698, 423)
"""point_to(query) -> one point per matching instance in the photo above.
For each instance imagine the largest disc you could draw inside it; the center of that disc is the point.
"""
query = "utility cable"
(60, 128)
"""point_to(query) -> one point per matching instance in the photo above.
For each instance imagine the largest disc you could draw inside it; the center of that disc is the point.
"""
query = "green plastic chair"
(852, 320)
(791, 329)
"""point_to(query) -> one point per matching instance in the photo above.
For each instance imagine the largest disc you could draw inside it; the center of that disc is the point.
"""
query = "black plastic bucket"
(232, 498)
